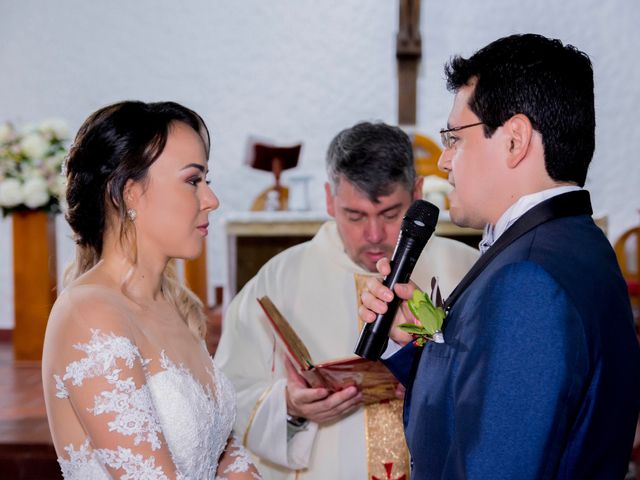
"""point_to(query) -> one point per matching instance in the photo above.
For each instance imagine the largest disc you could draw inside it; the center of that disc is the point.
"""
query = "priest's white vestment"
(313, 285)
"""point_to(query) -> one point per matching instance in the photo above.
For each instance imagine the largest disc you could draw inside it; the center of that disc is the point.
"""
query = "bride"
(130, 389)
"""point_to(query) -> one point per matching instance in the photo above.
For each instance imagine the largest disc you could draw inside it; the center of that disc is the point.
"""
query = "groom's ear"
(519, 132)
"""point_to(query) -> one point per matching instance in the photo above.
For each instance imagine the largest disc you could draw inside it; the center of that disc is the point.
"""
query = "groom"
(539, 375)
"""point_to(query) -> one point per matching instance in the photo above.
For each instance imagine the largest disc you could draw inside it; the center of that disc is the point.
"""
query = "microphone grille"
(422, 212)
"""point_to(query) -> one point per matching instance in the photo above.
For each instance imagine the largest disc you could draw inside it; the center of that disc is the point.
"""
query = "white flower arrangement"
(30, 166)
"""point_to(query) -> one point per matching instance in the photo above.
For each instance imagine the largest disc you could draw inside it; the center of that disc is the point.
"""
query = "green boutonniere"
(429, 316)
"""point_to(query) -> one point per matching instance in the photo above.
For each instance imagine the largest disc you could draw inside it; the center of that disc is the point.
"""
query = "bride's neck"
(143, 278)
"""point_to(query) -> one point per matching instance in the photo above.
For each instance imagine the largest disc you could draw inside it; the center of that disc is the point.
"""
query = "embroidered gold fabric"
(387, 452)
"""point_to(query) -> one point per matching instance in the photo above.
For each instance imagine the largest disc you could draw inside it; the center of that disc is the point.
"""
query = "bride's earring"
(132, 214)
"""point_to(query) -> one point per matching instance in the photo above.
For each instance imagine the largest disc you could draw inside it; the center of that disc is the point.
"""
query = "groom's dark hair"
(550, 83)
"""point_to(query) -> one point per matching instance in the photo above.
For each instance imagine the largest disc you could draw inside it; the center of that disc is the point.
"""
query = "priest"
(310, 433)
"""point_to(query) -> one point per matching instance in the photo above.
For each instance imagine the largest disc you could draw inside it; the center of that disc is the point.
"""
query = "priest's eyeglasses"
(446, 137)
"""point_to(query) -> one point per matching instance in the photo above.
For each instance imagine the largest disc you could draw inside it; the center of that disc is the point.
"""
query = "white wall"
(608, 31)
(294, 70)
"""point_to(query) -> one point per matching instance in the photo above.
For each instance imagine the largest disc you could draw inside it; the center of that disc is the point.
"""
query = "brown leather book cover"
(374, 378)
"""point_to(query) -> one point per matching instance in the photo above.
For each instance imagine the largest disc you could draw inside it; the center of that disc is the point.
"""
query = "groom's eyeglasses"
(448, 139)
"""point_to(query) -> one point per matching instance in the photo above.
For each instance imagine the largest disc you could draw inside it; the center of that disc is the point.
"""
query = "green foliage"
(429, 316)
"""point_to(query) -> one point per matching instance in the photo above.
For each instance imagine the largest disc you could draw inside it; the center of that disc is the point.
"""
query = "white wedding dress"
(165, 420)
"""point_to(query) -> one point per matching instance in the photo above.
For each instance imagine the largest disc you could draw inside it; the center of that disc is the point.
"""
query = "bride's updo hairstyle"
(116, 144)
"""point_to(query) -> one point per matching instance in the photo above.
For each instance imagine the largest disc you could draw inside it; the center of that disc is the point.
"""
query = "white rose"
(34, 145)
(35, 192)
(7, 132)
(58, 186)
(10, 192)
(29, 170)
(54, 162)
(56, 126)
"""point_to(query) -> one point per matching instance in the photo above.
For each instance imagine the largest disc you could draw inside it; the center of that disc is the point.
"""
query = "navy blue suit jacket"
(539, 375)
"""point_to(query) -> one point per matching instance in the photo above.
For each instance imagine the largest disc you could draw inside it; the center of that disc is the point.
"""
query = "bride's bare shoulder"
(91, 305)
(81, 311)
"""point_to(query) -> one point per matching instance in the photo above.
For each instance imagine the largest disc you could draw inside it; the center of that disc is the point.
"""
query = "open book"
(373, 378)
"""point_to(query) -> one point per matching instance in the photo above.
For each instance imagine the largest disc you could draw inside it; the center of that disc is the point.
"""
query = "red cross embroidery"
(389, 467)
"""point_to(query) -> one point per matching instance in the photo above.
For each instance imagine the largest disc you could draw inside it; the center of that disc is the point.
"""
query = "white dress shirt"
(515, 211)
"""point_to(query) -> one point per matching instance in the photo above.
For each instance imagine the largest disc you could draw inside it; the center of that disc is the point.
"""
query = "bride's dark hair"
(115, 144)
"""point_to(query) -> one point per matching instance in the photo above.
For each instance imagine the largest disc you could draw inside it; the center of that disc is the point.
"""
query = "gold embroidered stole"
(387, 452)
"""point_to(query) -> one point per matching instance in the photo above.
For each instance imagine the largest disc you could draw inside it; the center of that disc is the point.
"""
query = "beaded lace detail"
(172, 409)
(241, 463)
(133, 407)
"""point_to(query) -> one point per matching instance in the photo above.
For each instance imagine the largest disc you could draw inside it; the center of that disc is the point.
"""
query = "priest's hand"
(376, 296)
(318, 404)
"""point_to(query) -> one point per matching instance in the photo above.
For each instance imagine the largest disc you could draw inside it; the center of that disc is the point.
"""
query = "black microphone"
(417, 227)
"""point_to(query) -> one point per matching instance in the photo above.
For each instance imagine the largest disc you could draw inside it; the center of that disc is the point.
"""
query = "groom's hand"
(318, 404)
(376, 296)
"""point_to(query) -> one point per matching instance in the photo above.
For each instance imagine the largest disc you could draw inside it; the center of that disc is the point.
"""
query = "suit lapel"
(564, 205)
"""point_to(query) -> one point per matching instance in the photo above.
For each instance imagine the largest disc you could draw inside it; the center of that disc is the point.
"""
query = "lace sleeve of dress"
(235, 462)
(107, 388)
